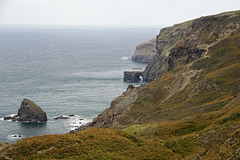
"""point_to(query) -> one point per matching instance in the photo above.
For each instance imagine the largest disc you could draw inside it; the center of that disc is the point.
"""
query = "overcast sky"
(109, 12)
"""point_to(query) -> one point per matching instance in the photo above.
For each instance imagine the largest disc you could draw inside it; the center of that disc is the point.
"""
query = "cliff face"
(183, 43)
(116, 114)
(194, 86)
(145, 52)
(180, 47)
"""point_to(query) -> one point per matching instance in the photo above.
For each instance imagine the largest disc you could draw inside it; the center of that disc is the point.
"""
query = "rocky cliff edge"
(145, 52)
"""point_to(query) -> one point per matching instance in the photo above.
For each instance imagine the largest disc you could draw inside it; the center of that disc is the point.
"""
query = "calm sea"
(64, 70)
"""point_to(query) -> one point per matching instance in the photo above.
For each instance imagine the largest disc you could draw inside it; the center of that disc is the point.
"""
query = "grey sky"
(109, 12)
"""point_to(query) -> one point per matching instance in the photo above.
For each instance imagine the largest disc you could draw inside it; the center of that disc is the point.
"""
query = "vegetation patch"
(94, 143)
(187, 128)
(232, 118)
(182, 147)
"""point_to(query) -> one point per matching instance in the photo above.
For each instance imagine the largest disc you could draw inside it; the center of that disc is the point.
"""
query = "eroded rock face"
(184, 43)
(31, 112)
(132, 76)
(112, 116)
(183, 55)
(165, 41)
(178, 47)
(145, 52)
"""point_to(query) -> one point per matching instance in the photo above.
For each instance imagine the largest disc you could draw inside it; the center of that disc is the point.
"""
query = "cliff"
(145, 52)
(190, 109)
(182, 49)
(194, 90)
(183, 43)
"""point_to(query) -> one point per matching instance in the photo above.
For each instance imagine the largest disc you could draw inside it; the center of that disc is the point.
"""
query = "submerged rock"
(16, 136)
(13, 118)
(61, 117)
(31, 112)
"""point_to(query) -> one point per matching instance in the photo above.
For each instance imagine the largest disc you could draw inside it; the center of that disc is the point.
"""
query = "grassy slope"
(209, 104)
(94, 143)
(202, 119)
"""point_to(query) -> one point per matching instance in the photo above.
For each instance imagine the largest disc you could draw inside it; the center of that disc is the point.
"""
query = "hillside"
(190, 109)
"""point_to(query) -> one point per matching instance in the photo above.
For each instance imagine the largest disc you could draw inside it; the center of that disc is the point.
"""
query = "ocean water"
(64, 70)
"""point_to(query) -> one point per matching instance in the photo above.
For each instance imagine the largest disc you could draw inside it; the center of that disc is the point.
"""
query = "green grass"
(33, 106)
(30, 102)
(181, 146)
(187, 128)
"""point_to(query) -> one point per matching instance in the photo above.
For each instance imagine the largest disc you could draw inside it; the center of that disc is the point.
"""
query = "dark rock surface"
(13, 118)
(31, 112)
(16, 136)
(61, 117)
(132, 76)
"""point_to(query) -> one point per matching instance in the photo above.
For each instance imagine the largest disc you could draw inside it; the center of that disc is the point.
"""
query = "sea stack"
(31, 112)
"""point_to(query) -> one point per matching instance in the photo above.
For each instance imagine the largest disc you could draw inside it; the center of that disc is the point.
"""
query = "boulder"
(31, 112)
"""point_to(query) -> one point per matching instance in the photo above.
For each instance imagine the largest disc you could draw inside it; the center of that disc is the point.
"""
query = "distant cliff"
(145, 52)
(183, 43)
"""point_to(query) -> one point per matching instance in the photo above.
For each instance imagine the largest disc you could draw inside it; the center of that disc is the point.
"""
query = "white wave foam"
(126, 58)
(76, 121)
(1, 119)
(15, 136)
(12, 115)
(73, 122)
